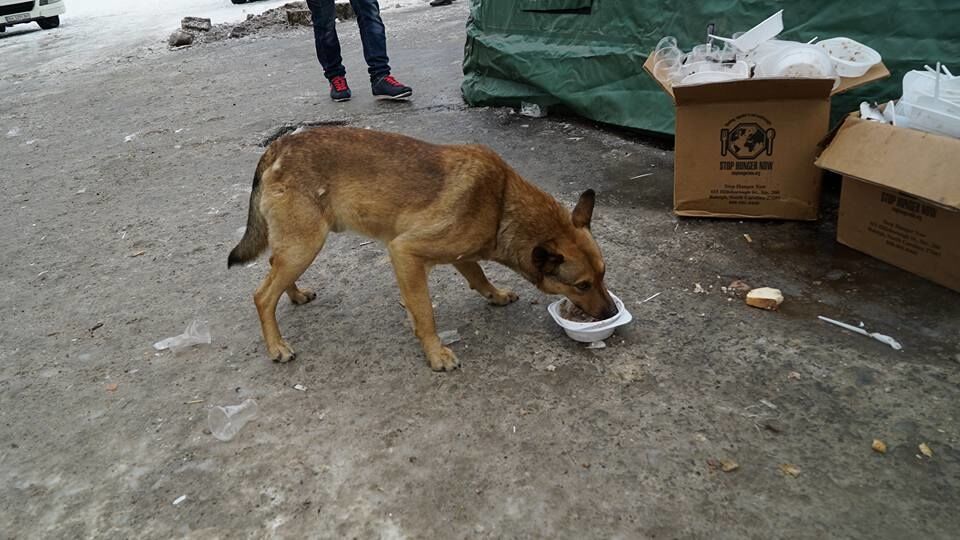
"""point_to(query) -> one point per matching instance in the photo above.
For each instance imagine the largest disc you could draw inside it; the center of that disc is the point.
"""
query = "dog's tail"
(254, 239)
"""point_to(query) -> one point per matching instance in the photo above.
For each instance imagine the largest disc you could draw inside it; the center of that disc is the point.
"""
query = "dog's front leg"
(412, 278)
(478, 281)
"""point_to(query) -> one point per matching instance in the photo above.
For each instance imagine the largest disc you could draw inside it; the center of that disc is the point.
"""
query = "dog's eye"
(583, 286)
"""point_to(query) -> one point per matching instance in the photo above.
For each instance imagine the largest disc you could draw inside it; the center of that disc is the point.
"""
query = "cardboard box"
(901, 196)
(746, 149)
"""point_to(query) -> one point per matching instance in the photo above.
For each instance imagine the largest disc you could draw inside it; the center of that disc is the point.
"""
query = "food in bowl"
(570, 312)
(590, 330)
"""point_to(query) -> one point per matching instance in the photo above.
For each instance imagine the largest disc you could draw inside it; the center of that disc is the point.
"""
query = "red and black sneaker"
(390, 88)
(339, 91)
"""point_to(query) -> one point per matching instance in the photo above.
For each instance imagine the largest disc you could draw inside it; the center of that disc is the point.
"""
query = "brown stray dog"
(429, 204)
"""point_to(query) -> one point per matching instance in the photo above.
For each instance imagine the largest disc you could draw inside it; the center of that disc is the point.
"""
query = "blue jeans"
(372, 34)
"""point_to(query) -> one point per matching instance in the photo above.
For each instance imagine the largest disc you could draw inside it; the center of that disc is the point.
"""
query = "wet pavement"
(126, 183)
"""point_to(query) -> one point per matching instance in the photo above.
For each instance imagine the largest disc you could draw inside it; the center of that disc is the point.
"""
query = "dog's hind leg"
(293, 251)
(478, 281)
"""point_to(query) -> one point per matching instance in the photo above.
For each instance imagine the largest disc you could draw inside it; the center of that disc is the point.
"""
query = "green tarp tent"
(587, 55)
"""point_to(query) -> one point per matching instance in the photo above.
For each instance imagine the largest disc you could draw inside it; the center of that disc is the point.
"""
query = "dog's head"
(571, 264)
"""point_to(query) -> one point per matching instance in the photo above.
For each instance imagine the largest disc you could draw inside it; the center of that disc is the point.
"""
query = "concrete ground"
(125, 183)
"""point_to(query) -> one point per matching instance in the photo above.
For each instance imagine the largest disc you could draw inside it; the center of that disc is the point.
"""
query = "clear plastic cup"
(225, 422)
(666, 70)
(666, 44)
(705, 52)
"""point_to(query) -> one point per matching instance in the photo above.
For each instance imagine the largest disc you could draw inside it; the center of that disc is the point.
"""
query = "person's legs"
(374, 38)
(324, 17)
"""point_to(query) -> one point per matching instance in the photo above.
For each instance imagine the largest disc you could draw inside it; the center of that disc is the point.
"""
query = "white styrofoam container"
(591, 331)
(850, 58)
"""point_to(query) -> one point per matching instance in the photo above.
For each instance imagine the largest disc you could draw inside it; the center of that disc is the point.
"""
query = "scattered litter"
(768, 404)
(137, 254)
(551, 368)
(739, 287)
(728, 465)
(641, 176)
(449, 337)
(96, 327)
(773, 425)
(191, 402)
(794, 375)
(925, 450)
(651, 298)
(300, 387)
(112, 387)
(196, 333)
(882, 338)
(698, 289)
(765, 298)
(789, 469)
(747, 238)
(30, 142)
(361, 244)
(532, 110)
(13, 132)
(879, 446)
(130, 137)
(179, 500)
(81, 191)
(574, 139)
(597, 345)
(225, 422)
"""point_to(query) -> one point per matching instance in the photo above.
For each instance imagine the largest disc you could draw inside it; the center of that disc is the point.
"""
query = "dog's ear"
(545, 260)
(584, 210)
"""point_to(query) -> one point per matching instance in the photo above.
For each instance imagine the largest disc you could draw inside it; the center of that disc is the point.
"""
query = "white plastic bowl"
(588, 332)
(931, 120)
(850, 58)
(807, 61)
(922, 83)
(798, 61)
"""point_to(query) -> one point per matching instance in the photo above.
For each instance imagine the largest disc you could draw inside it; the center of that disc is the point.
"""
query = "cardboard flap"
(875, 73)
(753, 90)
(911, 161)
(648, 67)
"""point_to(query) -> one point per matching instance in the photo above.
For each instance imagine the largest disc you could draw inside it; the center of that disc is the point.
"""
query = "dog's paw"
(503, 297)
(302, 296)
(281, 353)
(444, 360)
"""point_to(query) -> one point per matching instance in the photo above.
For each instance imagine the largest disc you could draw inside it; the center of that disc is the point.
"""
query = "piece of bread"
(765, 298)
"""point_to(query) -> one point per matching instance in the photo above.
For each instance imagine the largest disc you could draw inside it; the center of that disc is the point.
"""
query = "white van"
(46, 13)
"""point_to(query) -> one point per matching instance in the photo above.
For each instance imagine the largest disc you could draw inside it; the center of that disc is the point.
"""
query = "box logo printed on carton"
(750, 137)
